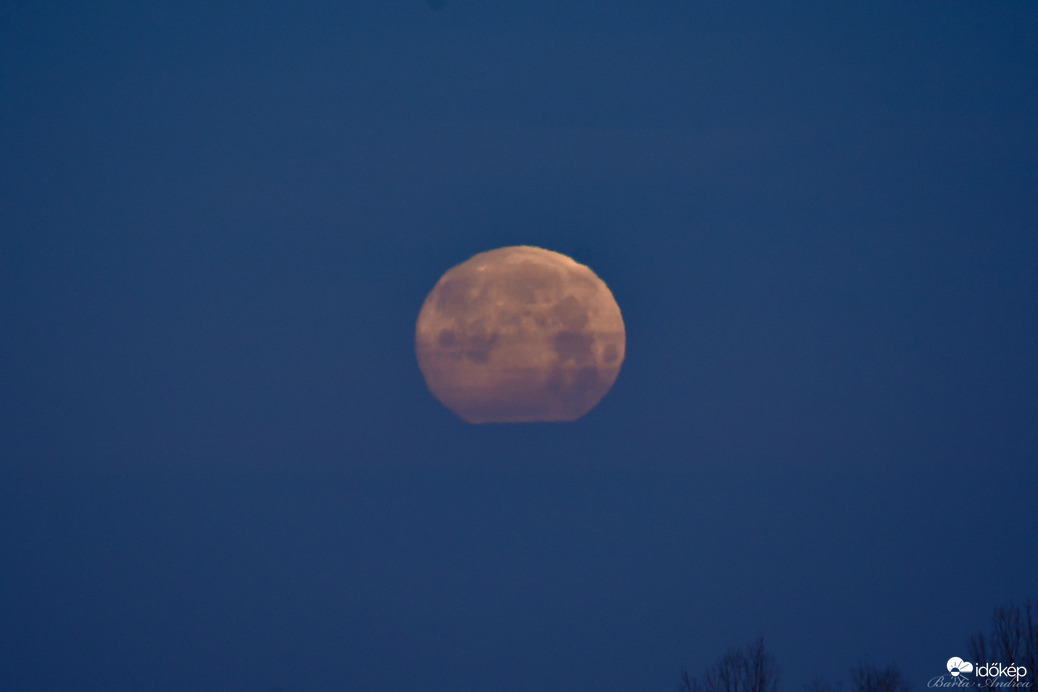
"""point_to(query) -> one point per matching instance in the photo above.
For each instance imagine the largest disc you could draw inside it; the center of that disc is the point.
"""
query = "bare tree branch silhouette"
(1013, 640)
(747, 669)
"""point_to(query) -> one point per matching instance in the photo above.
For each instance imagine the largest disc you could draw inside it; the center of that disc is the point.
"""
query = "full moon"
(520, 334)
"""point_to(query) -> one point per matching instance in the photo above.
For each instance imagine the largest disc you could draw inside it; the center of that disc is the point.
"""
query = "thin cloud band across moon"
(519, 335)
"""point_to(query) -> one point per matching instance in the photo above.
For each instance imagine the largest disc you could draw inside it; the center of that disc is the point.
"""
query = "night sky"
(220, 468)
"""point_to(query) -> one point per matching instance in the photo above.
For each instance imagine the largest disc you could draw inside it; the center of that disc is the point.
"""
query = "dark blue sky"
(220, 467)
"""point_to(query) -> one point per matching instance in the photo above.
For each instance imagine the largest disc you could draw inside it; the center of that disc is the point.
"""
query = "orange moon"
(518, 335)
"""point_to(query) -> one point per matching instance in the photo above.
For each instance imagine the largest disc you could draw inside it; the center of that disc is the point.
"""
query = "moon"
(519, 335)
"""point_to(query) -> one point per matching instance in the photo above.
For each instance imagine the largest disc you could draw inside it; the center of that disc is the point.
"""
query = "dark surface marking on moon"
(573, 346)
(582, 384)
(587, 380)
(479, 346)
(571, 314)
(452, 296)
(446, 339)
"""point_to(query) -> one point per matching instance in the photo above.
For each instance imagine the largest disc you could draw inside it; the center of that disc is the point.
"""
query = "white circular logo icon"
(956, 665)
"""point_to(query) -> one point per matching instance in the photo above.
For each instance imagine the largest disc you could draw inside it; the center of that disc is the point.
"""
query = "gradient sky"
(220, 468)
